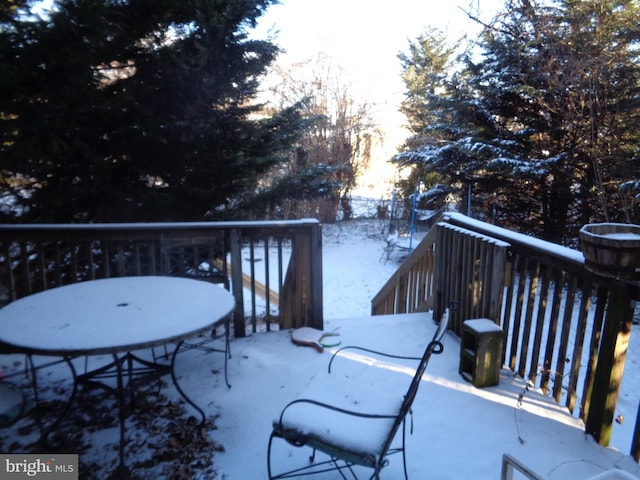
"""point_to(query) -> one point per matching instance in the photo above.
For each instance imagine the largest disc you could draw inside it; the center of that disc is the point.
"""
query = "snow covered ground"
(460, 431)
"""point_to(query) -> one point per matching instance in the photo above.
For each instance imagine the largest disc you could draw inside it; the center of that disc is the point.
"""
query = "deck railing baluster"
(576, 359)
(539, 326)
(547, 364)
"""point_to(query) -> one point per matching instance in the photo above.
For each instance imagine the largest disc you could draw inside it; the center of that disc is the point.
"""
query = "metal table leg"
(45, 431)
(179, 389)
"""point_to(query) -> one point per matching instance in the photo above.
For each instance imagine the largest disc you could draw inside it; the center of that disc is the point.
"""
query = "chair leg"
(404, 444)
(348, 467)
(227, 352)
(269, 456)
(313, 469)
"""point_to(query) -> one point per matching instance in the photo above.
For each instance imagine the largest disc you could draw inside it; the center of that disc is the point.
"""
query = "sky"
(364, 38)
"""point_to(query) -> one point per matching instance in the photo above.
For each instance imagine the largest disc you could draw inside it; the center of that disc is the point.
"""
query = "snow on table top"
(113, 315)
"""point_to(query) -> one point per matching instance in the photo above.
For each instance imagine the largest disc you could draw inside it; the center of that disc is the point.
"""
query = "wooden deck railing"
(280, 257)
(566, 329)
(471, 274)
(411, 288)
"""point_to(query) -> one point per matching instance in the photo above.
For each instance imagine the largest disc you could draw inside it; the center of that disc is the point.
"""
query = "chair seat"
(332, 431)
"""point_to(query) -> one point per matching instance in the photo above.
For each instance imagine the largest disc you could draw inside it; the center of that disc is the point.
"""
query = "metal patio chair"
(357, 426)
(510, 464)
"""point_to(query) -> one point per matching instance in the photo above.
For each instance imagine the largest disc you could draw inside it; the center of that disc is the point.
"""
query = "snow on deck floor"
(460, 432)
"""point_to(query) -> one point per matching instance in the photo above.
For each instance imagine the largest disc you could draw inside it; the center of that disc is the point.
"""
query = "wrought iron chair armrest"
(435, 346)
(376, 352)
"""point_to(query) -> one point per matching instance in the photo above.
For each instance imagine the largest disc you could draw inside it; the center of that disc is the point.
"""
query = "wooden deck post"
(315, 253)
(236, 282)
(613, 352)
(301, 295)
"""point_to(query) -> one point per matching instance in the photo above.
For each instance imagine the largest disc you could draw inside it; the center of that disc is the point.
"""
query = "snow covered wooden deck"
(459, 431)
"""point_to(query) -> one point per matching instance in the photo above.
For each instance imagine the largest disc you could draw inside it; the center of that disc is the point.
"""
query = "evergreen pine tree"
(141, 110)
(545, 123)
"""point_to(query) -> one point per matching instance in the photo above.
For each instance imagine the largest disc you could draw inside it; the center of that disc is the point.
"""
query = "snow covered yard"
(459, 431)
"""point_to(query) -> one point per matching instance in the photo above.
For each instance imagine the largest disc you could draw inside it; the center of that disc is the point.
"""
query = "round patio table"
(115, 316)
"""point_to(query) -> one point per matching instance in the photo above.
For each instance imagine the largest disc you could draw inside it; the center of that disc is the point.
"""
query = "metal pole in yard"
(413, 214)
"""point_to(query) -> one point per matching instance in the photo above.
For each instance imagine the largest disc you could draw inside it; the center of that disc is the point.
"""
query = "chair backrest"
(434, 347)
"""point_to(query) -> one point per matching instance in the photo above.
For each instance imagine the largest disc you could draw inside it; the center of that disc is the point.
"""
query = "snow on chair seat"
(353, 420)
(330, 431)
